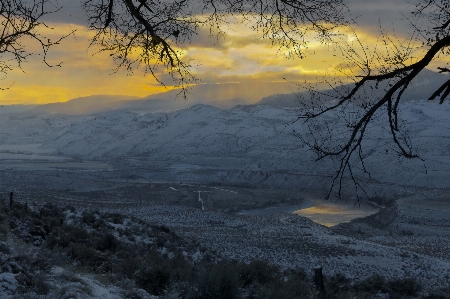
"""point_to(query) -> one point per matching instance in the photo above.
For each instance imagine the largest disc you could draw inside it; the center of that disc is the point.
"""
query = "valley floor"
(405, 239)
(402, 240)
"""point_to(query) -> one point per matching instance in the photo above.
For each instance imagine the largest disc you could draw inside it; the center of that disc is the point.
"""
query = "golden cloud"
(83, 72)
(239, 57)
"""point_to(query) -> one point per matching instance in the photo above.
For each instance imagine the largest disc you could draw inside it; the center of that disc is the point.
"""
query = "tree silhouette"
(151, 34)
(380, 84)
(20, 20)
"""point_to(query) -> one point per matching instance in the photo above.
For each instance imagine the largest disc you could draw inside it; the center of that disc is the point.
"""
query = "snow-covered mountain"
(422, 87)
(224, 96)
(15, 109)
(249, 145)
(80, 106)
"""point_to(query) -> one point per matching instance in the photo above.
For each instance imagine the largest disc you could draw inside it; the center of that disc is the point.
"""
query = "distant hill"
(420, 89)
(79, 106)
(224, 96)
(250, 144)
(14, 109)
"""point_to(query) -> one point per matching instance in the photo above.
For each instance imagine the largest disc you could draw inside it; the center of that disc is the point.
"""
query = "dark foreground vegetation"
(144, 260)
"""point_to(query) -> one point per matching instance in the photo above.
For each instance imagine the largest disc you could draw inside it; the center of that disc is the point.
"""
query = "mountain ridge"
(224, 95)
(420, 88)
(245, 144)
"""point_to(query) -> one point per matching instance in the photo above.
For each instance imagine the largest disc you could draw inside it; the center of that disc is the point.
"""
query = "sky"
(240, 57)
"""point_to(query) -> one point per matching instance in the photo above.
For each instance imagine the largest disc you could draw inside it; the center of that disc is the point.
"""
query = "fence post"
(318, 281)
(11, 199)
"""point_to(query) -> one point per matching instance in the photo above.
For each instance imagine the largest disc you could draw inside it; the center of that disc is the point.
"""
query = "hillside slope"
(251, 145)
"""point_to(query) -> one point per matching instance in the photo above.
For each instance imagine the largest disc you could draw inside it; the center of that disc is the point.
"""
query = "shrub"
(37, 230)
(128, 267)
(41, 287)
(164, 229)
(372, 284)
(115, 218)
(407, 233)
(134, 293)
(88, 217)
(443, 293)
(66, 235)
(161, 240)
(257, 272)
(70, 209)
(292, 289)
(214, 282)
(4, 248)
(107, 242)
(100, 223)
(50, 211)
(338, 284)
(437, 295)
(85, 255)
(405, 286)
(153, 280)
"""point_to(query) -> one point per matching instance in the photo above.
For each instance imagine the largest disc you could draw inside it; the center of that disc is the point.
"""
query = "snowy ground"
(252, 171)
(245, 145)
(291, 241)
(408, 239)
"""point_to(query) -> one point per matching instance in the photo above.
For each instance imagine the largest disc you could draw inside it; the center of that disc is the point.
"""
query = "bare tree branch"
(18, 20)
(396, 76)
(151, 34)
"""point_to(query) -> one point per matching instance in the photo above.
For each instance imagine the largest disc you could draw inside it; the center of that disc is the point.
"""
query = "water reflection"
(320, 211)
(330, 214)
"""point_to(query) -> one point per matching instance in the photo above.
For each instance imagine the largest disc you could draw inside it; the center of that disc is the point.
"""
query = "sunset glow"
(238, 57)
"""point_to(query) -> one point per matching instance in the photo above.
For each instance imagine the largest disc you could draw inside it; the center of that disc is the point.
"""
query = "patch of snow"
(8, 284)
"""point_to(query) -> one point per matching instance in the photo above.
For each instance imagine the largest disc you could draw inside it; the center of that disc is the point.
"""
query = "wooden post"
(11, 199)
(318, 281)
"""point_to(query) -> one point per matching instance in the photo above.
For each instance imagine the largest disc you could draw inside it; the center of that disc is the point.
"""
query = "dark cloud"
(207, 39)
(369, 14)
(237, 57)
(68, 11)
(390, 15)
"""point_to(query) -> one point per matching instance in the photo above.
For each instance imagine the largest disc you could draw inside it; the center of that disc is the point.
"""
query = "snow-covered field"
(409, 239)
(113, 160)
(247, 145)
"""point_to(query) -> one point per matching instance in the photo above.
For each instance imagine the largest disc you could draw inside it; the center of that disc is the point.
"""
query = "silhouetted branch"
(150, 34)
(21, 19)
(397, 75)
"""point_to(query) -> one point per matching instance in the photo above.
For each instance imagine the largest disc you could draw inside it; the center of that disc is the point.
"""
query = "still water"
(330, 214)
(321, 211)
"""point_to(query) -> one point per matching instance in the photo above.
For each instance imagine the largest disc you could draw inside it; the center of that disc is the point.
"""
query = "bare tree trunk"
(10, 199)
